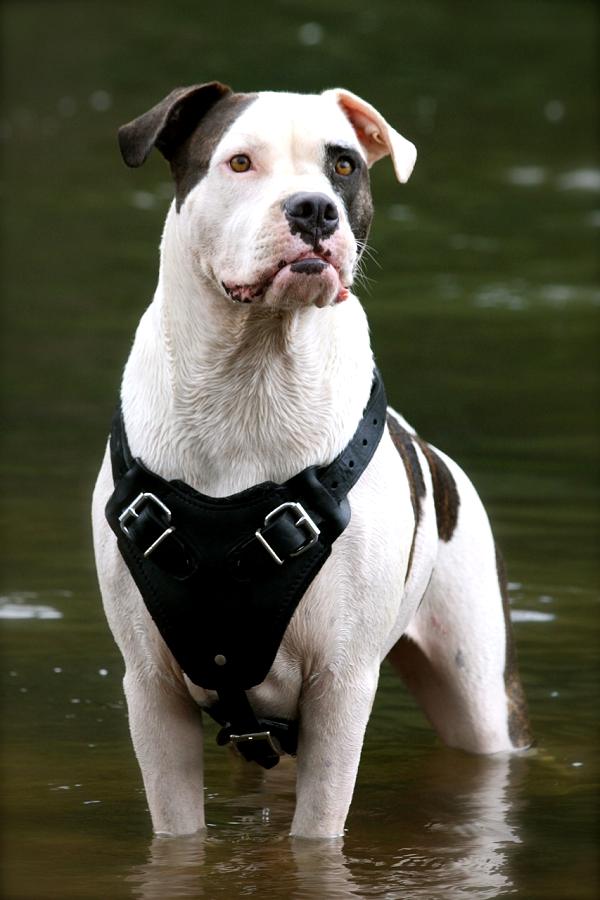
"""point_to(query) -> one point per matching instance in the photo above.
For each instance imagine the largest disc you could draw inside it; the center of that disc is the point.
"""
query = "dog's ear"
(377, 138)
(169, 123)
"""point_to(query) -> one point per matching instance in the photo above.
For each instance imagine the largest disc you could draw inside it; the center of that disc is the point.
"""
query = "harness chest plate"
(221, 579)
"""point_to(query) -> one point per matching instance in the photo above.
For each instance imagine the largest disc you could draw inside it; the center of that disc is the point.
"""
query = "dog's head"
(272, 196)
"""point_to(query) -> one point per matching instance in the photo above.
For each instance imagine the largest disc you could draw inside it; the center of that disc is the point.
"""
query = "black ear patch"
(354, 189)
(191, 158)
(168, 124)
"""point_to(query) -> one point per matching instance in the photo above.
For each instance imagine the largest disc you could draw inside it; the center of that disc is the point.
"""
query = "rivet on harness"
(221, 577)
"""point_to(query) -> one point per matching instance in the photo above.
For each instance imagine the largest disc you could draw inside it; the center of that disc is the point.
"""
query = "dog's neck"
(226, 395)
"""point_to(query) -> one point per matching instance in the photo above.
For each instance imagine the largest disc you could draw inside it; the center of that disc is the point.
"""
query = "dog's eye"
(344, 166)
(240, 163)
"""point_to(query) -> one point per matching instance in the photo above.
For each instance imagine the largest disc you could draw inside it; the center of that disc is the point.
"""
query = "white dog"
(253, 364)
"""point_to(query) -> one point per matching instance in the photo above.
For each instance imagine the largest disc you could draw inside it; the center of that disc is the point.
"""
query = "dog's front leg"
(334, 712)
(166, 729)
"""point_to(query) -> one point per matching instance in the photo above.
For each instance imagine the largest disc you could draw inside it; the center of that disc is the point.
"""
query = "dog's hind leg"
(457, 656)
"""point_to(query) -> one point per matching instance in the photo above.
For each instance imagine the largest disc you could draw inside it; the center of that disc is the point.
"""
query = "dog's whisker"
(368, 251)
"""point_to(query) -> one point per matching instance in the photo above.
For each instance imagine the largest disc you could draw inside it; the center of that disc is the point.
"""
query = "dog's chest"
(240, 435)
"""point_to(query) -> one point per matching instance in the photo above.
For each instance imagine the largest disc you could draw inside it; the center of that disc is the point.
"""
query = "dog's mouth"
(315, 266)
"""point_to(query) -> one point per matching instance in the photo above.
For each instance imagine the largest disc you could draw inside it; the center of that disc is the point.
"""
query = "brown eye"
(240, 163)
(344, 166)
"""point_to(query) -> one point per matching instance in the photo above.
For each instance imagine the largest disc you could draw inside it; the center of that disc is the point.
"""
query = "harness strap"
(257, 739)
(222, 577)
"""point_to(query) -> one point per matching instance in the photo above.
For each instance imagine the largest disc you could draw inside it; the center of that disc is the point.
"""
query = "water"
(483, 300)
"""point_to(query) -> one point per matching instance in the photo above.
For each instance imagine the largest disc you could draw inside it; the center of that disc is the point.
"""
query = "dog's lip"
(246, 293)
(320, 255)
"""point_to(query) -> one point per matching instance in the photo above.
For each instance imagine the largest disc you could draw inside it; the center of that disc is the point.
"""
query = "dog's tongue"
(342, 295)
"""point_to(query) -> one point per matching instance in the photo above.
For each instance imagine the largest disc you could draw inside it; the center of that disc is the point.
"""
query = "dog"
(252, 364)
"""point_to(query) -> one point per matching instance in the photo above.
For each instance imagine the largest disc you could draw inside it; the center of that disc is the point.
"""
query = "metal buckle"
(256, 736)
(305, 520)
(132, 513)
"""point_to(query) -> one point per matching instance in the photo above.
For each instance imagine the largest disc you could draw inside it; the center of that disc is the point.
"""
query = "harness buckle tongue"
(131, 513)
(305, 522)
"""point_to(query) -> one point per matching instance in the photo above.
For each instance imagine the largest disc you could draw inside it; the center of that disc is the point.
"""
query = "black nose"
(311, 216)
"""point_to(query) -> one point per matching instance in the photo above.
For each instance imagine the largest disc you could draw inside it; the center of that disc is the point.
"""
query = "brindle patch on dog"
(445, 493)
(403, 442)
(518, 715)
(354, 189)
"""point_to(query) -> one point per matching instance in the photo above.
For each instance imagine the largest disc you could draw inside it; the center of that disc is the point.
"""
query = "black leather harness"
(221, 577)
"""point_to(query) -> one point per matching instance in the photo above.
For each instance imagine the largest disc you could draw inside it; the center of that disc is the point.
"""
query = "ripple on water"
(530, 615)
(21, 605)
(526, 176)
(580, 180)
(574, 180)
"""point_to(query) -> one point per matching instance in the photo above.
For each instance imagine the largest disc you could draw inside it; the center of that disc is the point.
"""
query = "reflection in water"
(322, 871)
(465, 851)
(459, 854)
(174, 869)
